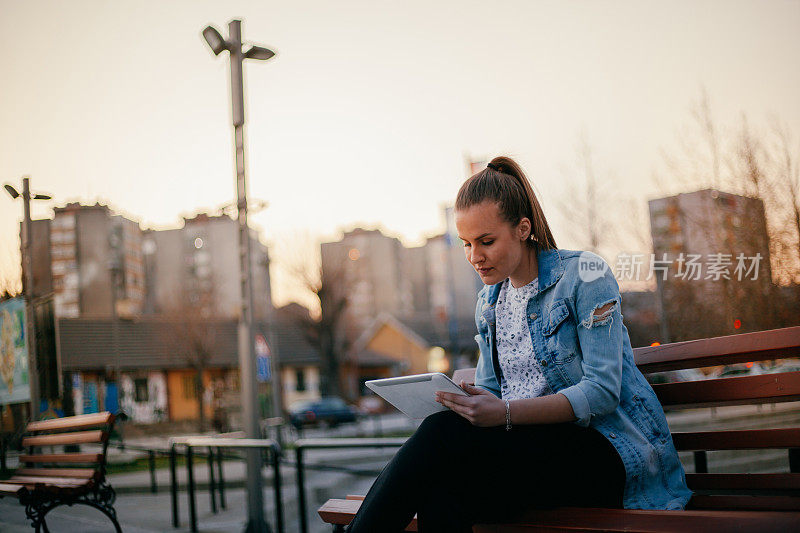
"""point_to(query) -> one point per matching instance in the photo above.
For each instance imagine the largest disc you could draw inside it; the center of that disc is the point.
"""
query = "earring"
(533, 238)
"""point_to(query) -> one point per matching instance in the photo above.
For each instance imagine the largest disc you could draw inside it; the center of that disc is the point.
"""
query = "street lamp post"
(247, 360)
(27, 261)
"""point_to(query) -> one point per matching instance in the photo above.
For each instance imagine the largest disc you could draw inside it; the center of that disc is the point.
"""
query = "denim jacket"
(589, 359)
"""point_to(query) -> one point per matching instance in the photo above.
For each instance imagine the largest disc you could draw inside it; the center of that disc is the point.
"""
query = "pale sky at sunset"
(365, 115)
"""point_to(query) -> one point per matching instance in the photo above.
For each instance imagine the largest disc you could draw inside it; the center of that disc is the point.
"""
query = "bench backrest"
(52, 435)
(774, 491)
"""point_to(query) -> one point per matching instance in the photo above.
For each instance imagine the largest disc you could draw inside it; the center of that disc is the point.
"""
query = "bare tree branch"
(329, 289)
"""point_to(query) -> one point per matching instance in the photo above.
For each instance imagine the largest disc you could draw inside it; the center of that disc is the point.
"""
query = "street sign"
(262, 368)
(262, 359)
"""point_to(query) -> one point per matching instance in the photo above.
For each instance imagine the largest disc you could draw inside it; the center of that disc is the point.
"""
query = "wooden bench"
(721, 501)
(48, 480)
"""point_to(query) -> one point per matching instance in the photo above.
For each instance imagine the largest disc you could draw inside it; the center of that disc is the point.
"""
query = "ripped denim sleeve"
(600, 335)
(601, 314)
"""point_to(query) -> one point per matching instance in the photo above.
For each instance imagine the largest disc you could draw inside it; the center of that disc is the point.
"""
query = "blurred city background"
(664, 138)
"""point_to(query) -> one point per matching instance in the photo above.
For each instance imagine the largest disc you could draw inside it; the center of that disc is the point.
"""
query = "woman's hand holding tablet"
(481, 407)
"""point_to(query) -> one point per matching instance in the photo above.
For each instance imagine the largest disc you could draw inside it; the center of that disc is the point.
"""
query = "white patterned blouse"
(522, 377)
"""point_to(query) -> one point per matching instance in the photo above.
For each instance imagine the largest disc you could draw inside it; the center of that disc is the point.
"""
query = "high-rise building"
(83, 248)
(81, 253)
(707, 222)
(430, 288)
(197, 266)
(712, 252)
(370, 267)
(453, 284)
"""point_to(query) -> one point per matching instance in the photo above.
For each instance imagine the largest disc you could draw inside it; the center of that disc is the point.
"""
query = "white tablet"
(413, 395)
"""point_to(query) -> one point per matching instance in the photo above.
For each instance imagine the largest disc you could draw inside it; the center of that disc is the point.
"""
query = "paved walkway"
(145, 512)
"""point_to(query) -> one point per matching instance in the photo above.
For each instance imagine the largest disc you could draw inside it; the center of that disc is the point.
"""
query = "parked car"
(673, 376)
(329, 411)
(740, 369)
(787, 365)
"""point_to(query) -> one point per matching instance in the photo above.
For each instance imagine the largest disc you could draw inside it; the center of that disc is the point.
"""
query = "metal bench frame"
(39, 502)
(41, 497)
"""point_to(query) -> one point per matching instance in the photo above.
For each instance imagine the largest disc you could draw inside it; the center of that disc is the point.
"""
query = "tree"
(580, 203)
(192, 335)
(327, 288)
(10, 285)
(757, 164)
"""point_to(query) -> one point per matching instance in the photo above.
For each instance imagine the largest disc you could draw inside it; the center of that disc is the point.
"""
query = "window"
(300, 380)
(189, 387)
(140, 392)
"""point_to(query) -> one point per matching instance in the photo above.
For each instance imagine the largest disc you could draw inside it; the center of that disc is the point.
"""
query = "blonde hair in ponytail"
(504, 182)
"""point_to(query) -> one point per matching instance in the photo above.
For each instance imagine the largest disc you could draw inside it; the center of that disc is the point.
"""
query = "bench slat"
(745, 439)
(745, 502)
(60, 489)
(62, 458)
(743, 481)
(8, 488)
(58, 481)
(72, 422)
(741, 348)
(342, 512)
(81, 473)
(78, 437)
(705, 521)
(766, 388)
(568, 518)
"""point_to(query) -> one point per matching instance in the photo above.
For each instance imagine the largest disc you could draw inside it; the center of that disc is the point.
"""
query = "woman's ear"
(524, 229)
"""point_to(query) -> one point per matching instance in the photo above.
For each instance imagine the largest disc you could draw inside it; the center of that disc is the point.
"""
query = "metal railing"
(216, 443)
(318, 444)
(151, 459)
(214, 456)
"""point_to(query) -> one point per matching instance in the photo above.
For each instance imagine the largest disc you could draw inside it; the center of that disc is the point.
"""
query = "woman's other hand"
(482, 408)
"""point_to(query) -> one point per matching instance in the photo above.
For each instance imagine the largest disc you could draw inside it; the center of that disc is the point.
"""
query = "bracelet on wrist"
(508, 415)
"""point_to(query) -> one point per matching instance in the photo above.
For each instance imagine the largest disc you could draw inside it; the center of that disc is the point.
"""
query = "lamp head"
(259, 52)
(11, 191)
(214, 40)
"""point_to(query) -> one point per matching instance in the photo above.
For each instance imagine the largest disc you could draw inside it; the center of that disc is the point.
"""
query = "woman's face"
(493, 247)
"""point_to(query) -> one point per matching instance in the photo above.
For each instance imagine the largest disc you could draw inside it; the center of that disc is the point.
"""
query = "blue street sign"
(262, 368)
(262, 359)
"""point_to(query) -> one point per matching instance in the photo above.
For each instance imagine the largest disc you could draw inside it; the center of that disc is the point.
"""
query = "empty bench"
(721, 501)
(49, 478)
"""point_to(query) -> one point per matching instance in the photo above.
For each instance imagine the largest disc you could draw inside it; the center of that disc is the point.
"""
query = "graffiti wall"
(14, 384)
(144, 397)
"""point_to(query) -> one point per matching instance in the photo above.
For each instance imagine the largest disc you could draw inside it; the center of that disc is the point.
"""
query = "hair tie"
(493, 167)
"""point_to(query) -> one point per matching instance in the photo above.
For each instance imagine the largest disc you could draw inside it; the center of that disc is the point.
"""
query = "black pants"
(453, 475)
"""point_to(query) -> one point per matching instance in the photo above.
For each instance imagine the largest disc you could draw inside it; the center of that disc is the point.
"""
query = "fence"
(218, 443)
(309, 444)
